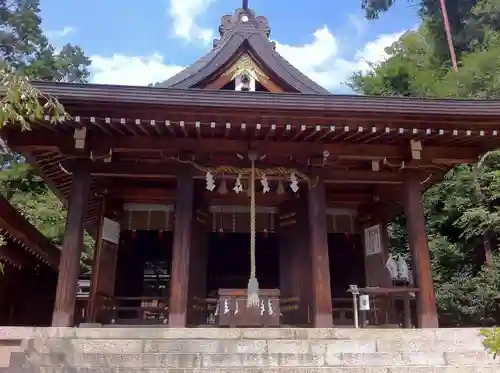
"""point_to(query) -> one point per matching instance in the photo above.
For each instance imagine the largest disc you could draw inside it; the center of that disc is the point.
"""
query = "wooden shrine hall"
(29, 271)
(241, 193)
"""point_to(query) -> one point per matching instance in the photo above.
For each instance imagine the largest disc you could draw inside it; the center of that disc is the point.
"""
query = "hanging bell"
(222, 190)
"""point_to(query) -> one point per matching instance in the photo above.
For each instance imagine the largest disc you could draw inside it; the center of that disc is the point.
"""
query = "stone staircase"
(161, 350)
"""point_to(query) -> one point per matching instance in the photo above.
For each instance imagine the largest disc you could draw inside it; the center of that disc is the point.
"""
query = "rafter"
(167, 171)
(47, 141)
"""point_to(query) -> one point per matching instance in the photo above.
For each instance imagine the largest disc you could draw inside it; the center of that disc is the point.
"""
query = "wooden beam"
(42, 140)
(18, 228)
(165, 196)
(292, 148)
(14, 254)
(161, 171)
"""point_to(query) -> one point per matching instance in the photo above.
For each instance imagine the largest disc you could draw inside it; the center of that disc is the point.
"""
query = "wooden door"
(295, 263)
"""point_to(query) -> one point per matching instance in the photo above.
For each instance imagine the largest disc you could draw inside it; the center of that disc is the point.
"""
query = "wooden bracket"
(416, 149)
(80, 136)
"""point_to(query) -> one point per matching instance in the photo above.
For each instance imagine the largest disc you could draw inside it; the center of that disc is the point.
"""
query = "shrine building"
(239, 192)
(28, 271)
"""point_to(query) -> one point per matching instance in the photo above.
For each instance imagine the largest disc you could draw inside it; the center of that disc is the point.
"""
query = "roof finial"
(245, 4)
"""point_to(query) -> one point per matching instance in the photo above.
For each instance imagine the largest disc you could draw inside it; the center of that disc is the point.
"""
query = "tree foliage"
(462, 212)
(26, 54)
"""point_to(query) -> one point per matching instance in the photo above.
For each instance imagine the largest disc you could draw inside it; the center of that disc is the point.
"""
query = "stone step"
(130, 350)
(190, 360)
(465, 334)
(44, 345)
(442, 369)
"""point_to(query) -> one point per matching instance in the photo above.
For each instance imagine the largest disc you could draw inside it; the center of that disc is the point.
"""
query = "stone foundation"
(142, 350)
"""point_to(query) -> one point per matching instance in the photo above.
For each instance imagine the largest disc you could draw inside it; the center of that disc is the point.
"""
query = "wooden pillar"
(69, 266)
(105, 257)
(181, 250)
(421, 264)
(91, 304)
(318, 242)
(292, 224)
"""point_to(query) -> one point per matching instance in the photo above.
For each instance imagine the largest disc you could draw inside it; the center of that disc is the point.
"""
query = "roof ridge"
(244, 21)
(234, 30)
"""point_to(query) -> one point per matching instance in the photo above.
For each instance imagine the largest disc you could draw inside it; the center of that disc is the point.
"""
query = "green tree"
(462, 212)
(26, 54)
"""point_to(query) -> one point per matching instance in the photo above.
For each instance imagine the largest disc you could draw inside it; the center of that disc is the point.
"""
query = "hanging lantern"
(266, 233)
(134, 234)
(160, 234)
(221, 233)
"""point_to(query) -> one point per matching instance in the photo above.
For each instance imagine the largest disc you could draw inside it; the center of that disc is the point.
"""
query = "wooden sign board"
(373, 241)
(110, 231)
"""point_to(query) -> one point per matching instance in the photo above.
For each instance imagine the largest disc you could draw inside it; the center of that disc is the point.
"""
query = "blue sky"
(137, 43)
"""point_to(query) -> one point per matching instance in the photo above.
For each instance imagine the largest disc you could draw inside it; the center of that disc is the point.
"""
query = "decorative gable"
(244, 45)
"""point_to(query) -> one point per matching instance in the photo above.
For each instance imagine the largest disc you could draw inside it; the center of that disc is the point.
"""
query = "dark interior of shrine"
(229, 261)
(145, 259)
(143, 266)
(347, 263)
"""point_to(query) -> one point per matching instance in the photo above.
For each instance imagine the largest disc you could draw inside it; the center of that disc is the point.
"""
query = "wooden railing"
(212, 311)
(132, 310)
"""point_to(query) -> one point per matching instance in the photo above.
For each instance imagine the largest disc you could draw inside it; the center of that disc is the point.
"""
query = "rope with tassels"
(253, 284)
(278, 171)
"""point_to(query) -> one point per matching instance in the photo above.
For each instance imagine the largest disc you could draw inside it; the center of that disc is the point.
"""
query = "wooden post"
(181, 250)
(69, 266)
(318, 242)
(421, 265)
(105, 257)
(91, 303)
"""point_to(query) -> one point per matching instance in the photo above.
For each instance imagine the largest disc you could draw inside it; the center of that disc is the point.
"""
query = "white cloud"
(359, 23)
(184, 14)
(61, 33)
(131, 70)
(320, 60)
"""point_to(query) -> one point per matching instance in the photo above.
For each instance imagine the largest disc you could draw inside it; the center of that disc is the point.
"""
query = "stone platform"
(161, 350)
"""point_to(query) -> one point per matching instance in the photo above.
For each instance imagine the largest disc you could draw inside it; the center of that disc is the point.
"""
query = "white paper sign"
(373, 242)
(110, 231)
(364, 302)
